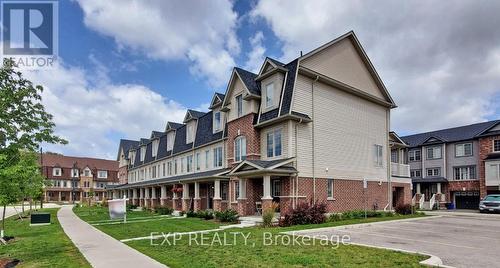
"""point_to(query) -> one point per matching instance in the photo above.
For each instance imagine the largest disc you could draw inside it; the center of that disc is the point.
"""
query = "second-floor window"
(269, 95)
(434, 152)
(395, 156)
(189, 163)
(175, 166)
(163, 170)
(414, 155)
(218, 157)
(239, 105)
(198, 160)
(274, 143)
(182, 165)
(465, 173)
(240, 149)
(154, 172)
(207, 158)
(378, 155)
(433, 172)
(416, 173)
(86, 172)
(74, 173)
(464, 149)
(102, 174)
(56, 172)
(496, 146)
(169, 168)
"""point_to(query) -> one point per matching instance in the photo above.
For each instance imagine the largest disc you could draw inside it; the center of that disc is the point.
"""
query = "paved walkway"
(100, 249)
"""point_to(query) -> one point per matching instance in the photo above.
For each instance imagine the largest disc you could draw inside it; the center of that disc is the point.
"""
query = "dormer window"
(143, 152)
(239, 105)
(74, 173)
(87, 173)
(56, 172)
(170, 140)
(154, 151)
(270, 95)
(217, 121)
(190, 130)
(102, 174)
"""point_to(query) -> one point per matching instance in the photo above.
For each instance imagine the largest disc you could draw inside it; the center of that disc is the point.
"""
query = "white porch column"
(185, 191)
(439, 188)
(418, 188)
(267, 187)
(153, 192)
(196, 190)
(243, 188)
(134, 193)
(217, 189)
(163, 192)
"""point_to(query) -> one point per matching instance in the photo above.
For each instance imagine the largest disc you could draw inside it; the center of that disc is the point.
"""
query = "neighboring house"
(72, 178)
(448, 166)
(315, 129)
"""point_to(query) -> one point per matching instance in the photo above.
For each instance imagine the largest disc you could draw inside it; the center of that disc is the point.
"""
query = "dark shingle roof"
(180, 144)
(267, 163)
(126, 145)
(144, 141)
(248, 79)
(220, 95)
(279, 63)
(451, 134)
(196, 114)
(290, 84)
(157, 134)
(204, 131)
(174, 125)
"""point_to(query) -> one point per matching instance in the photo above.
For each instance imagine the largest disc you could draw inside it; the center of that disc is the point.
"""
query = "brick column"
(267, 199)
(217, 199)
(174, 201)
(153, 197)
(141, 197)
(242, 199)
(197, 200)
(185, 197)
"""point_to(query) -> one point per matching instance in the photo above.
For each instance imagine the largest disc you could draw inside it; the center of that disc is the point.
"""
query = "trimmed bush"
(404, 209)
(130, 206)
(228, 215)
(164, 210)
(359, 214)
(305, 214)
(205, 214)
(191, 214)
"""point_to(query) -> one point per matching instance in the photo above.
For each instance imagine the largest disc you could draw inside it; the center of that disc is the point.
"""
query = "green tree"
(24, 124)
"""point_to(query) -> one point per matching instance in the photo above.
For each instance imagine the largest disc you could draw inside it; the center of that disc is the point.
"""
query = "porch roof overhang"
(200, 176)
(429, 179)
(493, 156)
(250, 168)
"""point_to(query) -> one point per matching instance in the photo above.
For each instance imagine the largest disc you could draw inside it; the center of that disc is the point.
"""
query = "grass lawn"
(254, 253)
(41, 246)
(95, 214)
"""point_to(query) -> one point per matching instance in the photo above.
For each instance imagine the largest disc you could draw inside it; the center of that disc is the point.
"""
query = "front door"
(210, 196)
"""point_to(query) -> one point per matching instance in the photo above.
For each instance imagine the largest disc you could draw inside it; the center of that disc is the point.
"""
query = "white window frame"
(218, 160)
(276, 187)
(464, 173)
(217, 122)
(100, 176)
(75, 172)
(269, 97)
(239, 105)
(198, 160)
(434, 174)
(378, 155)
(143, 153)
(329, 189)
(460, 149)
(56, 172)
(271, 141)
(207, 159)
(434, 149)
(412, 155)
(87, 172)
(189, 163)
(240, 148)
(414, 172)
(496, 149)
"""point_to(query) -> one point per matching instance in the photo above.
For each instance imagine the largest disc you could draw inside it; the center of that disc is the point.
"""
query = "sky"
(127, 67)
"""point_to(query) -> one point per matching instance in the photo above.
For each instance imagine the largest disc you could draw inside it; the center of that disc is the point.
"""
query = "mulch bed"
(9, 263)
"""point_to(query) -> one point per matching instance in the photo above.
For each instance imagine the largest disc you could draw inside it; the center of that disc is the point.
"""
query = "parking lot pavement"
(459, 241)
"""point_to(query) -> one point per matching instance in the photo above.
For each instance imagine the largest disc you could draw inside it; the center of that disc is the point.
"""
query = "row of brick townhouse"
(315, 129)
(457, 166)
(72, 178)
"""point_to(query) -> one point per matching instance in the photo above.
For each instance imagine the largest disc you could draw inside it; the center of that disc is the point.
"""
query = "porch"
(429, 193)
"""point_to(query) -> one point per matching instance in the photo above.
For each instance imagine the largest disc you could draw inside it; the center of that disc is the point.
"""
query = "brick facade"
(485, 148)
(243, 126)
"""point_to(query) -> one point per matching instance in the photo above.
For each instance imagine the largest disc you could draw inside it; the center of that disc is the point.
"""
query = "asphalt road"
(458, 240)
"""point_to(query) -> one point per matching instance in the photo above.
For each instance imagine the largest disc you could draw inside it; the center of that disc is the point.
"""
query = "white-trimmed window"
(270, 95)
(207, 158)
(414, 155)
(163, 171)
(465, 173)
(56, 172)
(182, 164)
(273, 141)
(329, 189)
(415, 173)
(434, 152)
(154, 151)
(169, 168)
(189, 163)
(496, 146)
(217, 121)
(236, 190)
(87, 172)
(378, 157)
(218, 157)
(190, 131)
(102, 174)
(433, 172)
(240, 149)
(198, 160)
(464, 149)
(175, 166)
(143, 152)
(154, 172)
(276, 187)
(239, 105)
(74, 172)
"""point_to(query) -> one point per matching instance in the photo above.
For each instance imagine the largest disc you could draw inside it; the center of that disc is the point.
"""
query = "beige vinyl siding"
(285, 142)
(250, 106)
(302, 97)
(346, 131)
(342, 62)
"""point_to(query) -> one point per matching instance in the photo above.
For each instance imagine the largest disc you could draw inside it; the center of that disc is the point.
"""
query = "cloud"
(439, 60)
(256, 56)
(94, 115)
(201, 32)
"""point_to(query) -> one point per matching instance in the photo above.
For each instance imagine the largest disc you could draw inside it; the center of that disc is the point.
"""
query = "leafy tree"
(24, 124)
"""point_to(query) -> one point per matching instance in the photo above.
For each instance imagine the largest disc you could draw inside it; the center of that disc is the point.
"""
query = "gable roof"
(270, 61)
(156, 134)
(217, 100)
(52, 160)
(455, 134)
(248, 79)
(192, 114)
(125, 145)
(264, 166)
(172, 126)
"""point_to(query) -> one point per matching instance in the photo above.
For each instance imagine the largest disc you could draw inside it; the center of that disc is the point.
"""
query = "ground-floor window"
(329, 188)
(236, 190)
(224, 190)
(276, 188)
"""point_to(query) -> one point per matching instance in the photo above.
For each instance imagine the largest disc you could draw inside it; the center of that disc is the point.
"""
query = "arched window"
(240, 149)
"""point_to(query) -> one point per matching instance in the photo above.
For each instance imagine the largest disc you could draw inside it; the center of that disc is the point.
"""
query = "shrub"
(191, 214)
(181, 213)
(268, 215)
(359, 214)
(228, 215)
(335, 217)
(131, 206)
(205, 214)
(164, 210)
(403, 209)
(305, 214)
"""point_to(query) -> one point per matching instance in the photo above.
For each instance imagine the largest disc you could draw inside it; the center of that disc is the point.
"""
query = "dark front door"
(467, 200)
(210, 196)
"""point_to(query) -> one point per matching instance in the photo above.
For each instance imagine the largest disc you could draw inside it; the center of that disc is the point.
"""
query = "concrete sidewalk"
(100, 249)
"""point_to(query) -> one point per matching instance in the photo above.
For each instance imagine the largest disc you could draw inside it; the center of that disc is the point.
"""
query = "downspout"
(313, 140)
(296, 181)
(388, 160)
